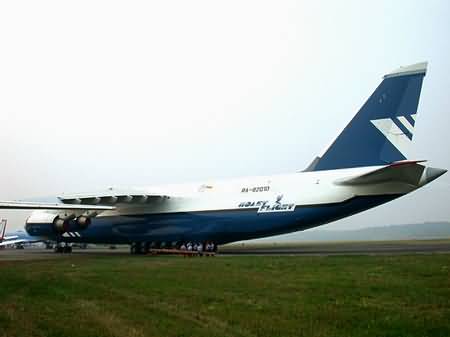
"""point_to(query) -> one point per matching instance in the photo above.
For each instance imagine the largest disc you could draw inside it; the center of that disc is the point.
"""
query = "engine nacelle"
(60, 225)
(83, 221)
(47, 223)
(43, 223)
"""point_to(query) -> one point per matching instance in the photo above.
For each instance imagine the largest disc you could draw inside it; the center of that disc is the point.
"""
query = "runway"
(300, 249)
(343, 248)
(32, 253)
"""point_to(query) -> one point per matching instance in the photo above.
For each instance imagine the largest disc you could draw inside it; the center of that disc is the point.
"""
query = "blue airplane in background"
(367, 165)
(18, 238)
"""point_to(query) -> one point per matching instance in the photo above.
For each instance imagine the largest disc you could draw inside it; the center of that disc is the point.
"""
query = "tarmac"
(344, 248)
(303, 249)
(33, 253)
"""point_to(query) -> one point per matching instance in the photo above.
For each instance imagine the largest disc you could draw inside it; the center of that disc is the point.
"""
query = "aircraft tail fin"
(2, 229)
(381, 132)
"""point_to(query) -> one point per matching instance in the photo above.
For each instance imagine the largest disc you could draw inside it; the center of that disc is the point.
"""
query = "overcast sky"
(126, 93)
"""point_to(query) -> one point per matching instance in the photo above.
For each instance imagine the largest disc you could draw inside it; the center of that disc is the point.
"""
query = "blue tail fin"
(382, 130)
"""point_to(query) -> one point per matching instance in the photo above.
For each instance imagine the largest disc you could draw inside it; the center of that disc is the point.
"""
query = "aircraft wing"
(55, 206)
(7, 242)
(113, 198)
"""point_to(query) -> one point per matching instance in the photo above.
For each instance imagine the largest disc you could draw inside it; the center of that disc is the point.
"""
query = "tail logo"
(398, 131)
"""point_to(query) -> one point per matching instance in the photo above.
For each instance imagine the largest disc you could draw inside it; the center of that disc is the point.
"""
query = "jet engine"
(45, 223)
(60, 225)
(83, 221)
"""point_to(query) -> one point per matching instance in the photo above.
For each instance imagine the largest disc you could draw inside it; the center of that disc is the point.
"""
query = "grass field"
(227, 296)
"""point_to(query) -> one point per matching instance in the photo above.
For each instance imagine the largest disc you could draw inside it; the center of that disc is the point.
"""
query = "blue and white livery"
(367, 165)
(18, 238)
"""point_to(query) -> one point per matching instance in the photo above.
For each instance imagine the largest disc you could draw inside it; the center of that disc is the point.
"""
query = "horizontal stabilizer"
(407, 171)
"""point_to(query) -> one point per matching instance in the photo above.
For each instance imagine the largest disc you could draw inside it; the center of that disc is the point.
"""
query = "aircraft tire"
(58, 249)
(137, 248)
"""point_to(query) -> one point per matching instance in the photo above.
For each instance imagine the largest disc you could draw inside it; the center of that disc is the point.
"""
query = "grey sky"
(101, 93)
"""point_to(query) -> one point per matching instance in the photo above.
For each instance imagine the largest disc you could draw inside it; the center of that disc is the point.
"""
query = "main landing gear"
(63, 247)
(138, 248)
(176, 247)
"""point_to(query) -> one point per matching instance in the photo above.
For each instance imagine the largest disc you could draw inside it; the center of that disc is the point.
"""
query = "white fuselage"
(301, 188)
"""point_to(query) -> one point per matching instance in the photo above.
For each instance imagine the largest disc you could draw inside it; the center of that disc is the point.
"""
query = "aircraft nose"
(432, 173)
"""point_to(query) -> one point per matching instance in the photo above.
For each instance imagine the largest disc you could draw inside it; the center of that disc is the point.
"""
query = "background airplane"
(367, 165)
(17, 238)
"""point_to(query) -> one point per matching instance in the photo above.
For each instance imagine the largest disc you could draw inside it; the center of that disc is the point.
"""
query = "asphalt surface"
(32, 253)
(320, 249)
(346, 248)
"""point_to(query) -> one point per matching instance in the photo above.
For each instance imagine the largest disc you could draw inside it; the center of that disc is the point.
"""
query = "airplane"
(367, 165)
(18, 238)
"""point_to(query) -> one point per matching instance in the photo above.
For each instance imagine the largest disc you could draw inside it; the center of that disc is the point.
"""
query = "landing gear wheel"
(58, 249)
(137, 248)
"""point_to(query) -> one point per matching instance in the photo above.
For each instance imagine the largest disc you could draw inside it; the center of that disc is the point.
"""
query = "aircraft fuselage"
(234, 210)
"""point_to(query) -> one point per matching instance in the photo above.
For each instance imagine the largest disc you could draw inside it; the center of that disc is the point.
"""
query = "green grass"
(227, 296)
